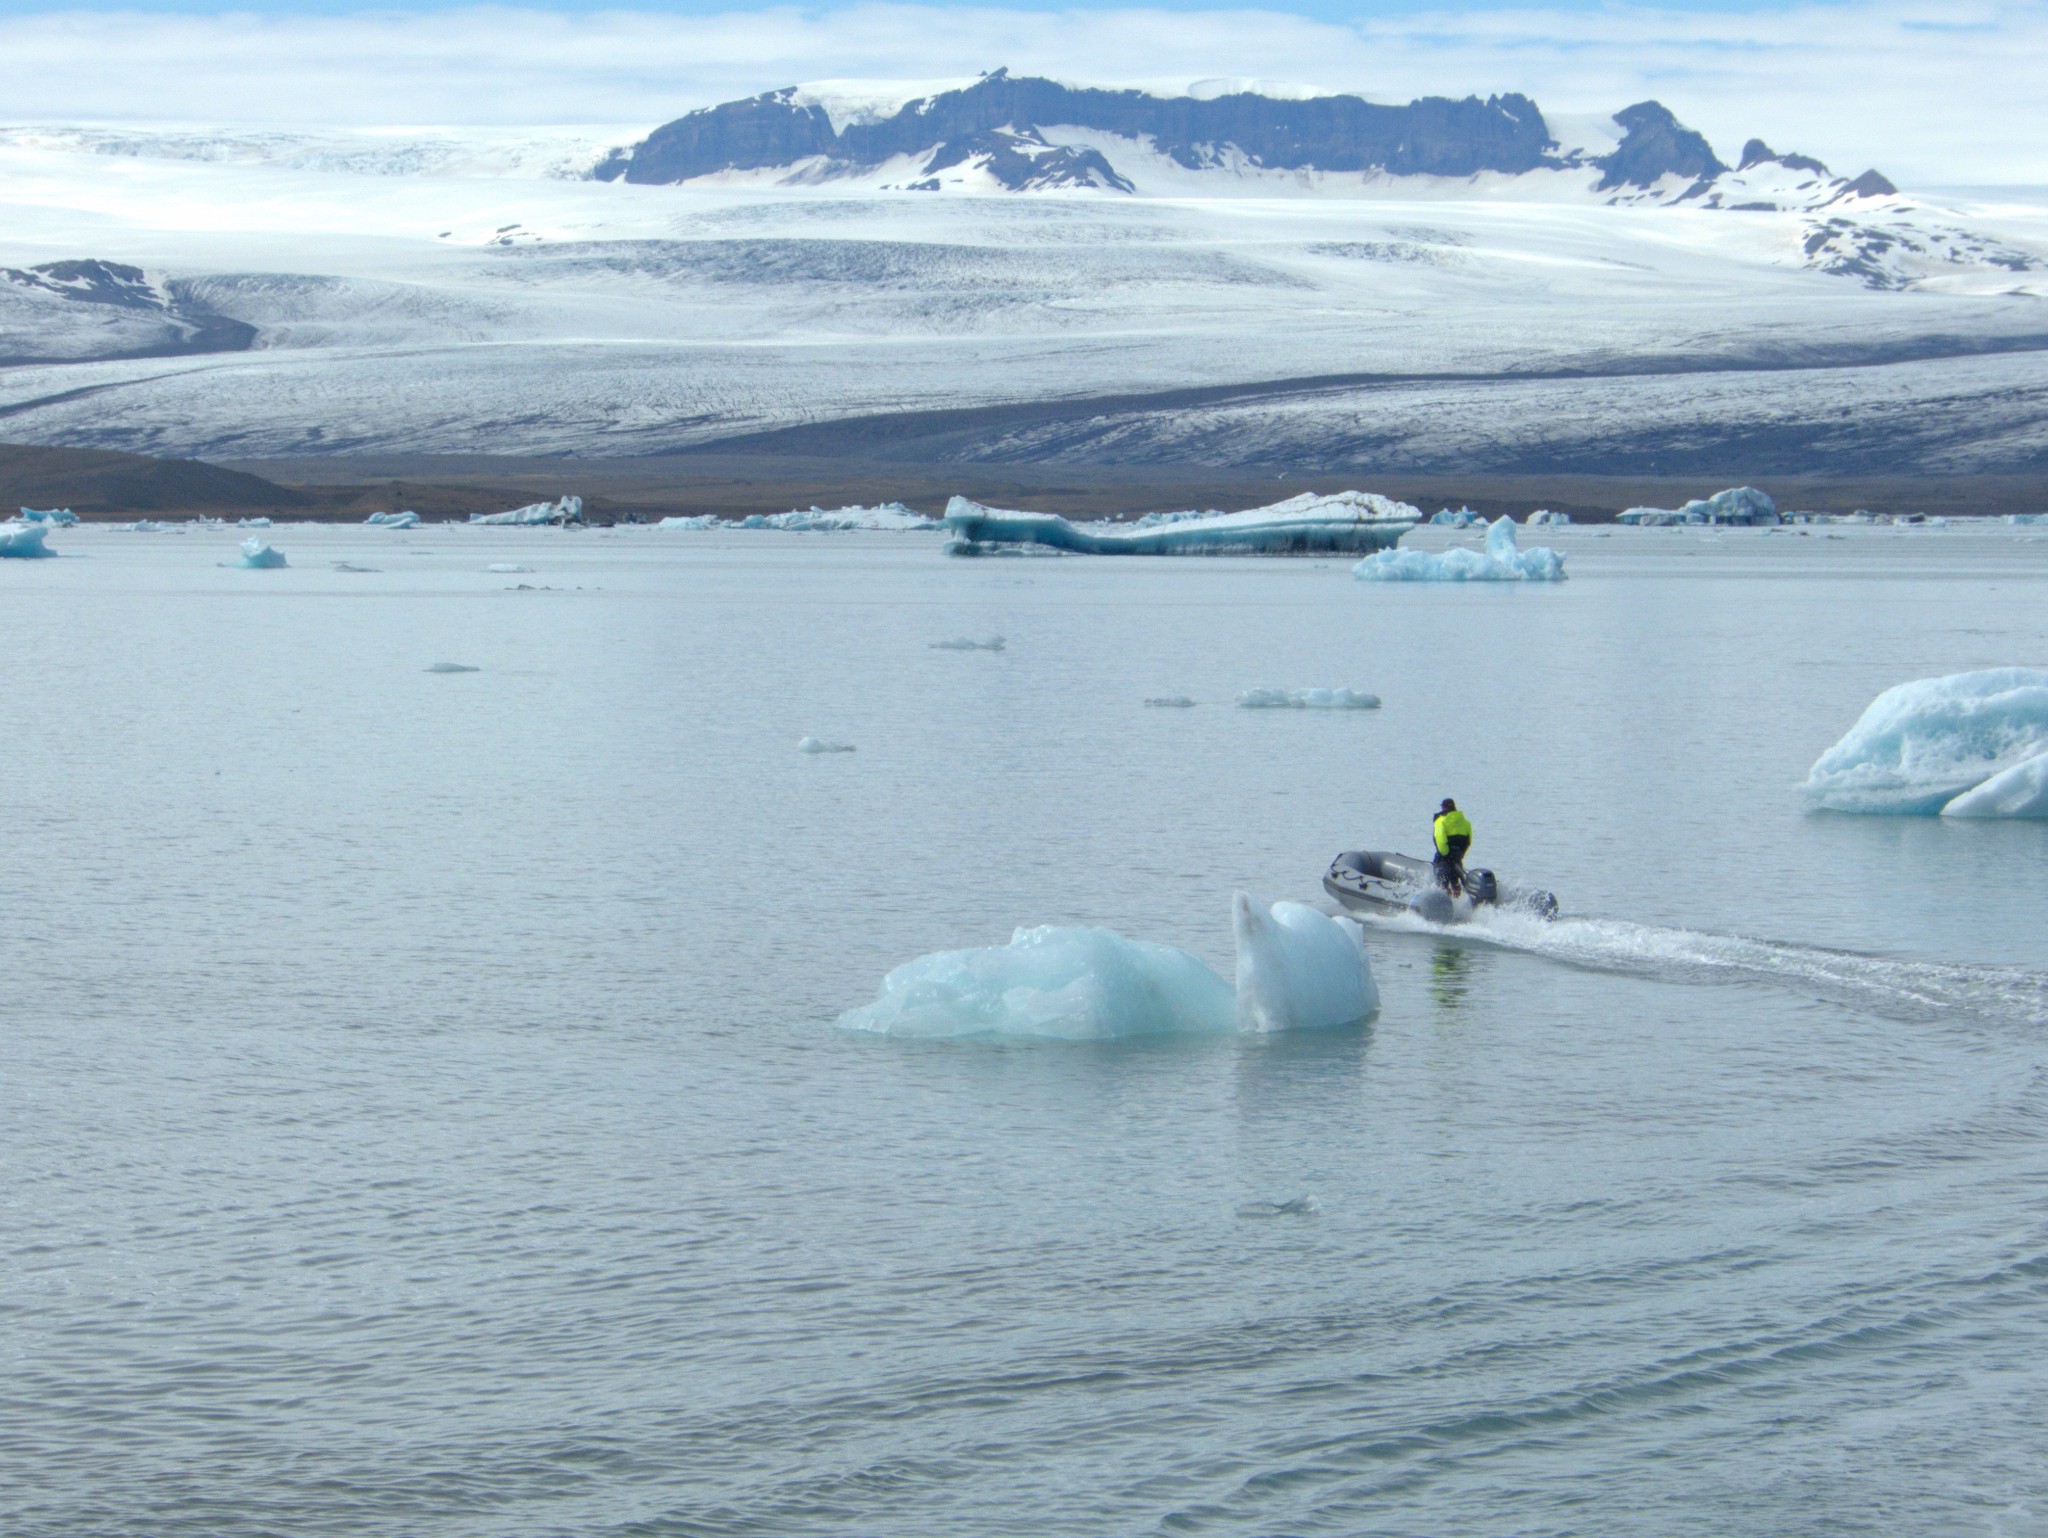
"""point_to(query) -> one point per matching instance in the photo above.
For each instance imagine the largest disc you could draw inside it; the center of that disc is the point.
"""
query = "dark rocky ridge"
(998, 121)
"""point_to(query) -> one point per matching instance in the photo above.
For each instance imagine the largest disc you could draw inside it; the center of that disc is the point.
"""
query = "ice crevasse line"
(1963, 745)
(1297, 969)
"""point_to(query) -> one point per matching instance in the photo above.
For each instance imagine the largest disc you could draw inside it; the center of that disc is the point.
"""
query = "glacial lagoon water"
(423, 1112)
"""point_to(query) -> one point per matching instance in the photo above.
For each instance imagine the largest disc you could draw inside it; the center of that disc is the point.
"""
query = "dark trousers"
(1449, 869)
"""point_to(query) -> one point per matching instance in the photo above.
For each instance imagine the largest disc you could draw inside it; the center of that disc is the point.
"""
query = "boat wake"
(1883, 985)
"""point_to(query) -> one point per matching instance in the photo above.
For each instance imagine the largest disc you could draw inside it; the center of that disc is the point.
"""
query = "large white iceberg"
(1306, 699)
(1073, 984)
(258, 556)
(1965, 745)
(1738, 505)
(1503, 560)
(1299, 969)
(53, 516)
(568, 510)
(891, 517)
(1308, 524)
(412, 520)
(24, 541)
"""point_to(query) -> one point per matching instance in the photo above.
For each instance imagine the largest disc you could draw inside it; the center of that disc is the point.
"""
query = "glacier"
(24, 541)
(396, 520)
(1736, 505)
(1305, 699)
(1964, 745)
(1307, 524)
(1299, 969)
(258, 556)
(1503, 560)
(54, 516)
(568, 510)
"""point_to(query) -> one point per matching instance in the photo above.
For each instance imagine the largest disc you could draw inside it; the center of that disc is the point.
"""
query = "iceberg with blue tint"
(53, 516)
(1305, 525)
(1964, 745)
(1305, 699)
(399, 520)
(21, 541)
(1543, 516)
(568, 510)
(258, 556)
(1503, 560)
(1070, 984)
(889, 517)
(1736, 505)
(252, 523)
(1463, 518)
(1299, 969)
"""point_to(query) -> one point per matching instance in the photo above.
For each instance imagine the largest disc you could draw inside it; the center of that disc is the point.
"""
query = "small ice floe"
(1463, 518)
(141, 526)
(252, 523)
(820, 745)
(1171, 702)
(1293, 1207)
(22, 541)
(1297, 969)
(1544, 516)
(967, 644)
(347, 566)
(392, 521)
(258, 556)
(1503, 560)
(1306, 699)
(508, 568)
(1963, 745)
(568, 510)
(453, 667)
(1737, 505)
(55, 517)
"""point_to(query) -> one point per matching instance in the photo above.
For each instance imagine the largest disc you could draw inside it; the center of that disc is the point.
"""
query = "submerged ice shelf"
(1964, 745)
(1345, 523)
(1503, 560)
(1297, 969)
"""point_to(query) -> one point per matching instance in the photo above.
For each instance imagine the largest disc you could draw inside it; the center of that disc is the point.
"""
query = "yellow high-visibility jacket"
(1451, 824)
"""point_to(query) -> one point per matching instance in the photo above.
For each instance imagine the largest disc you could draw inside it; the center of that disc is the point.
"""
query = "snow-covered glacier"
(1297, 969)
(1308, 524)
(1964, 745)
(1503, 560)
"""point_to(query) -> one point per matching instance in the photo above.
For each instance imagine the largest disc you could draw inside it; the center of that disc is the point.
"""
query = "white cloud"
(1928, 92)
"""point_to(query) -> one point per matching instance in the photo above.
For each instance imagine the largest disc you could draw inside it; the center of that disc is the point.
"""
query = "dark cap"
(1449, 805)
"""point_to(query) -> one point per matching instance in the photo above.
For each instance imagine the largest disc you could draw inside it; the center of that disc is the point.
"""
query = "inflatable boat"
(1379, 881)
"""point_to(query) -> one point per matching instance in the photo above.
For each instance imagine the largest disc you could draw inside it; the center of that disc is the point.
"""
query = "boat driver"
(1453, 833)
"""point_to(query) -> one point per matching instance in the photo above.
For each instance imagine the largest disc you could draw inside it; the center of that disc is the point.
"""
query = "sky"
(1930, 93)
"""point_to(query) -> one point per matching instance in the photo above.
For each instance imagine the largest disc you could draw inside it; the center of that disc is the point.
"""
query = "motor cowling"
(1481, 887)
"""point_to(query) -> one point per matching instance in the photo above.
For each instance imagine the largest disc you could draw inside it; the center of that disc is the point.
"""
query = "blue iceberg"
(568, 510)
(1299, 969)
(258, 556)
(1963, 745)
(24, 541)
(55, 517)
(398, 520)
(1736, 505)
(1309, 524)
(1463, 518)
(1503, 560)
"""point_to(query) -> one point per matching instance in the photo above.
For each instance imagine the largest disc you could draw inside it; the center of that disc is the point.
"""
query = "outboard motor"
(1481, 887)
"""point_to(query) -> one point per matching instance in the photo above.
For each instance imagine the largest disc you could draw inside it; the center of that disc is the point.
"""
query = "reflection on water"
(1450, 977)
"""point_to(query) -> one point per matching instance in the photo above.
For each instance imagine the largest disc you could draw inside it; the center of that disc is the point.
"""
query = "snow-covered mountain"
(1227, 276)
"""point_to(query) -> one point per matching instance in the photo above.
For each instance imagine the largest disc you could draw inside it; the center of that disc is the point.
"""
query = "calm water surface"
(423, 1113)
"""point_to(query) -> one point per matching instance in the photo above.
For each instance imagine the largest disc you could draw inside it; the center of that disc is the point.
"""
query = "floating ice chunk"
(350, 566)
(820, 745)
(2021, 791)
(258, 556)
(568, 510)
(508, 568)
(1293, 1207)
(1299, 969)
(1347, 521)
(2018, 518)
(892, 517)
(1072, 984)
(1463, 518)
(252, 523)
(1307, 699)
(141, 526)
(1501, 561)
(53, 516)
(408, 520)
(965, 644)
(1544, 516)
(1171, 702)
(1921, 745)
(1738, 504)
(24, 541)
(700, 521)
(453, 667)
